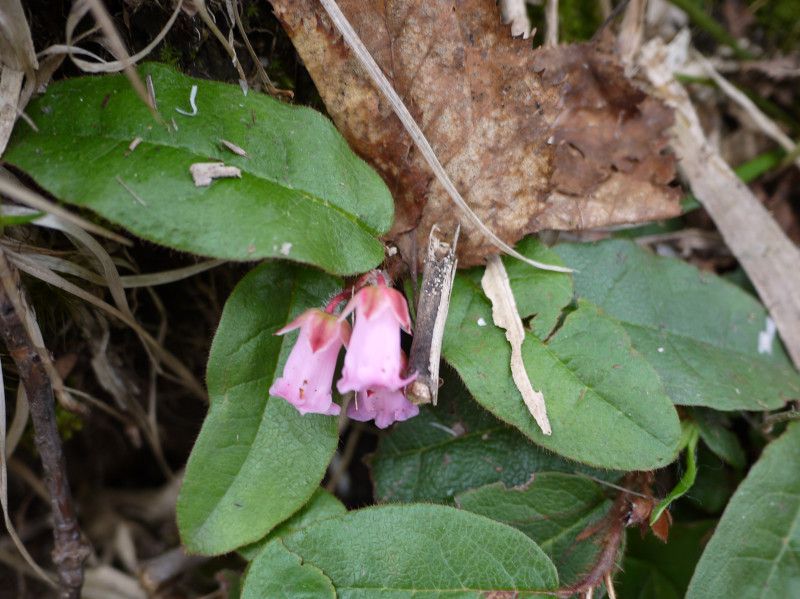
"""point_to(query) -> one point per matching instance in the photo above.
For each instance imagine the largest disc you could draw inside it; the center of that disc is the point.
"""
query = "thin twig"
(103, 19)
(761, 120)
(265, 80)
(773, 419)
(12, 531)
(70, 549)
(205, 15)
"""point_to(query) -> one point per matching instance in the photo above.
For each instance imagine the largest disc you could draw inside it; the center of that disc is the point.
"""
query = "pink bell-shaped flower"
(308, 374)
(374, 358)
(383, 406)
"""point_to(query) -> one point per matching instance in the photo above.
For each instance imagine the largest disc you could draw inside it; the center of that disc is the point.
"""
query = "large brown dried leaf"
(534, 139)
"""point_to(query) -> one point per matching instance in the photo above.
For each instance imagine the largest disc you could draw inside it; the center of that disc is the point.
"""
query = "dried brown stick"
(70, 549)
(431, 315)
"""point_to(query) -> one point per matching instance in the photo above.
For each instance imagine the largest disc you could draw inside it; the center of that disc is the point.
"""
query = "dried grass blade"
(762, 121)
(767, 255)
(10, 88)
(103, 19)
(19, 423)
(16, 191)
(114, 66)
(16, 42)
(48, 276)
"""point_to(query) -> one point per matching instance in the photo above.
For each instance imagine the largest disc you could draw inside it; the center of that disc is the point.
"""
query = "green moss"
(578, 20)
(170, 55)
(780, 20)
(68, 423)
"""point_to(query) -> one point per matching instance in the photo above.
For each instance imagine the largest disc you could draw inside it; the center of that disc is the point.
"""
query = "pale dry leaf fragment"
(767, 337)
(234, 148)
(106, 581)
(205, 172)
(192, 103)
(631, 33)
(765, 252)
(10, 88)
(505, 315)
(515, 13)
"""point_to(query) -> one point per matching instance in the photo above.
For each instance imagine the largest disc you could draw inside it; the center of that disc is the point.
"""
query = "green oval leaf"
(321, 505)
(755, 551)
(606, 404)
(257, 460)
(718, 438)
(458, 446)
(553, 510)
(285, 576)
(413, 550)
(303, 193)
(701, 333)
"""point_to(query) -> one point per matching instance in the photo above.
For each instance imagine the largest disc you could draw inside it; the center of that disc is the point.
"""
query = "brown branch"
(70, 548)
(630, 508)
(431, 315)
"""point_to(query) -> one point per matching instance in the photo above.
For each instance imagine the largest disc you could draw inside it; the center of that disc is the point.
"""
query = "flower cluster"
(373, 363)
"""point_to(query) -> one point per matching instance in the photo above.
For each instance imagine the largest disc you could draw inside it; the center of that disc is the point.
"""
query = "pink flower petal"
(383, 406)
(374, 358)
(308, 373)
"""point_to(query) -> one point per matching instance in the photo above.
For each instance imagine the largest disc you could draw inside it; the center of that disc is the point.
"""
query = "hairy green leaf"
(458, 446)
(257, 460)
(606, 404)
(755, 551)
(413, 550)
(701, 333)
(280, 574)
(321, 505)
(718, 438)
(552, 510)
(303, 193)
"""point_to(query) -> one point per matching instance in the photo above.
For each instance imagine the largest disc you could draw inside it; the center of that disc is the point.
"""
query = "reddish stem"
(337, 299)
(373, 277)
